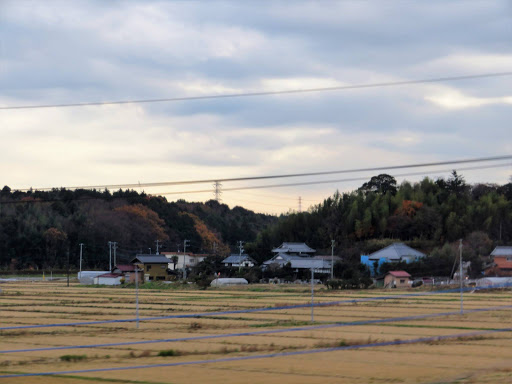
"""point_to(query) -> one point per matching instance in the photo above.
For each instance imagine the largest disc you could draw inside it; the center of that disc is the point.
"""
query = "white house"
(184, 259)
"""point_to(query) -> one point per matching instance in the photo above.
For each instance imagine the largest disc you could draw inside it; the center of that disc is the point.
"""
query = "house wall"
(107, 280)
(155, 271)
(503, 267)
(399, 282)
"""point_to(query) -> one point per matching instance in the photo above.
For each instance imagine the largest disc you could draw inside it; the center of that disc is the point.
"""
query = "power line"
(323, 173)
(265, 93)
(334, 181)
(263, 186)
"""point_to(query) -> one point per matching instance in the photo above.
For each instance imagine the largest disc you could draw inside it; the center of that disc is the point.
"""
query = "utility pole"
(67, 252)
(115, 247)
(312, 293)
(217, 191)
(110, 255)
(460, 276)
(241, 248)
(81, 245)
(185, 244)
(332, 259)
(149, 251)
(300, 204)
(214, 247)
(157, 246)
(137, 294)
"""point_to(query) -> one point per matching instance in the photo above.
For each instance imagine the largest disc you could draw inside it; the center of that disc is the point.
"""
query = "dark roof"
(231, 259)
(293, 248)
(151, 259)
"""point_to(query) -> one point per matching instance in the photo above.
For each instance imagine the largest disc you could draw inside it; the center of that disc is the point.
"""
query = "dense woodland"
(38, 229)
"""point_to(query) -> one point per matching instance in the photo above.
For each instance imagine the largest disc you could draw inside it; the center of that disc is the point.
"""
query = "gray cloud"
(60, 52)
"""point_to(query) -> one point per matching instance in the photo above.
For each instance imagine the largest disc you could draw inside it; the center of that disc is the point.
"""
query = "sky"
(58, 52)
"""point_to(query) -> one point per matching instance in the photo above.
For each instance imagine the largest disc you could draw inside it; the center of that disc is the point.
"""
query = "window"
(148, 267)
(402, 281)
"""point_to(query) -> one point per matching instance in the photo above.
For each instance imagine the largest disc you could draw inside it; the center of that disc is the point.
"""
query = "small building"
(501, 262)
(87, 277)
(237, 261)
(108, 279)
(154, 267)
(397, 279)
(393, 253)
(187, 259)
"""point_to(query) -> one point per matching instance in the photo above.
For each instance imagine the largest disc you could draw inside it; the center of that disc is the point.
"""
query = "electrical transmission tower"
(217, 191)
(300, 204)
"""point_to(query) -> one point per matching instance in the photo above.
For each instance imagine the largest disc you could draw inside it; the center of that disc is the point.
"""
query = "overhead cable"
(306, 174)
(265, 93)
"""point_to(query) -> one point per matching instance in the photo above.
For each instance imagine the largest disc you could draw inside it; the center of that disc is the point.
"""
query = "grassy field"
(483, 358)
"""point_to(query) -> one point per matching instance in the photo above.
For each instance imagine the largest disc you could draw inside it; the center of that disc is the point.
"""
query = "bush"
(73, 358)
(168, 352)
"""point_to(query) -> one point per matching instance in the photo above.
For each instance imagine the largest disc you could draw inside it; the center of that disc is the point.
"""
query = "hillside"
(38, 228)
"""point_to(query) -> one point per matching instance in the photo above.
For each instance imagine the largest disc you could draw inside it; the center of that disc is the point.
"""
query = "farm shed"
(108, 279)
(87, 277)
(397, 279)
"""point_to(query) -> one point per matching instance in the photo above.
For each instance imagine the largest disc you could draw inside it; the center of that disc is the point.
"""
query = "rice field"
(345, 344)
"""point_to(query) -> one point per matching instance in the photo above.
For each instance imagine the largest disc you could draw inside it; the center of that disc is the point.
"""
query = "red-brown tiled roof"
(110, 275)
(399, 273)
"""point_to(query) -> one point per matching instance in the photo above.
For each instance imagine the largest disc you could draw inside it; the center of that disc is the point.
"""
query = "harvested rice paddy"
(347, 343)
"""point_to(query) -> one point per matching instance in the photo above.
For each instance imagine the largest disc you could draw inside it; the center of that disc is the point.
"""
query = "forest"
(39, 229)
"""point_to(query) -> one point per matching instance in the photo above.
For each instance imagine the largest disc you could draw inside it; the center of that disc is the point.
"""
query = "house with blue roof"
(393, 253)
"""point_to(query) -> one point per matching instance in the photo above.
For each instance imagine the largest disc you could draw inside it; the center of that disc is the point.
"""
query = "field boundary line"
(252, 310)
(265, 356)
(255, 333)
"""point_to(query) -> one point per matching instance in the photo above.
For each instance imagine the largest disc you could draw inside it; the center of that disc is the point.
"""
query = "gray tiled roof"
(151, 259)
(396, 251)
(299, 262)
(293, 248)
(502, 251)
(237, 259)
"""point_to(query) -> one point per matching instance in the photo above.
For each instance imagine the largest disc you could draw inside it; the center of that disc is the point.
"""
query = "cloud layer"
(62, 52)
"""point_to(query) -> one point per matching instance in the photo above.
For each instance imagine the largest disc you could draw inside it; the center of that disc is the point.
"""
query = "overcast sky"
(85, 51)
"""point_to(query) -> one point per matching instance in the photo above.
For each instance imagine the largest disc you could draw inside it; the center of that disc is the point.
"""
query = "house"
(154, 267)
(299, 257)
(239, 261)
(184, 259)
(397, 279)
(501, 262)
(393, 253)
